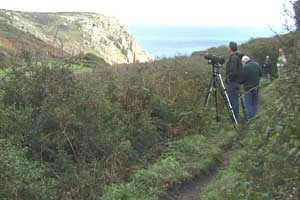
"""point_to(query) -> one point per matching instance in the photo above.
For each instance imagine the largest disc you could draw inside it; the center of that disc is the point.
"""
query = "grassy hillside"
(79, 33)
(17, 46)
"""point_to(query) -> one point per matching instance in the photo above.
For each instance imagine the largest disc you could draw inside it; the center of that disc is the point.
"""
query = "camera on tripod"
(215, 60)
(216, 83)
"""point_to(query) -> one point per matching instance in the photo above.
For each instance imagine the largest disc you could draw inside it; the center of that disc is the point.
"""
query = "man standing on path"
(268, 68)
(233, 70)
(250, 78)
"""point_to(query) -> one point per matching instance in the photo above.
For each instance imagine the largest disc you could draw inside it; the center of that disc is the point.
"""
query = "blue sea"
(169, 41)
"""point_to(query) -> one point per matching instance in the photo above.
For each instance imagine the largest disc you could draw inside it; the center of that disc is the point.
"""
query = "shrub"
(22, 178)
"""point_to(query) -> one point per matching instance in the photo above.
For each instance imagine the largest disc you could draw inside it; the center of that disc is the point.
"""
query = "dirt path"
(191, 190)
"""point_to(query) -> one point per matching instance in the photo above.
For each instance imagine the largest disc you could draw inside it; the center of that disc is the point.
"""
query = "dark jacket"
(233, 68)
(250, 75)
(267, 67)
(268, 64)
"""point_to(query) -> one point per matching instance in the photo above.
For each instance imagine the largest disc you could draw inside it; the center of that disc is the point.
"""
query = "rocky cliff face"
(78, 33)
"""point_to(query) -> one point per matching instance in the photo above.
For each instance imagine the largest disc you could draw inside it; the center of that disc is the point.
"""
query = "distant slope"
(79, 33)
(14, 43)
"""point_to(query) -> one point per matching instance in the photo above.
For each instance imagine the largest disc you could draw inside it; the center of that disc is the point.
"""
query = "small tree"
(296, 7)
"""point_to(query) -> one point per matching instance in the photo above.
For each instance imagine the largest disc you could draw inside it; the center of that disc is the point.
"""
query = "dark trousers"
(268, 72)
(233, 89)
(251, 101)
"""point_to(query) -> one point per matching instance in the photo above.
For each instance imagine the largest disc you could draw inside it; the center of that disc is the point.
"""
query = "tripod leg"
(244, 108)
(216, 102)
(211, 87)
(226, 99)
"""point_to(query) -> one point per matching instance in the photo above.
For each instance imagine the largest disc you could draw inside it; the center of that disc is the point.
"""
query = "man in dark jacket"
(233, 70)
(268, 68)
(250, 78)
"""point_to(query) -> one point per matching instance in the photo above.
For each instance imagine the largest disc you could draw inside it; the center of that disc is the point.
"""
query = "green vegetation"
(183, 160)
(267, 167)
(2, 72)
(78, 68)
(81, 132)
(22, 178)
(132, 131)
(74, 130)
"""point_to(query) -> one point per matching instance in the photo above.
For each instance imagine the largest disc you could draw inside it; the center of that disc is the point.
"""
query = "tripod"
(216, 83)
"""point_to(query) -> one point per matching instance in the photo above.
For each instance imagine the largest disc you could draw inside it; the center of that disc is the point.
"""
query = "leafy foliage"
(22, 178)
(93, 129)
(296, 6)
(131, 129)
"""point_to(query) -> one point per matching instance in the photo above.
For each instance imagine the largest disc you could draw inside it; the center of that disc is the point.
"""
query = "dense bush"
(22, 178)
(93, 129)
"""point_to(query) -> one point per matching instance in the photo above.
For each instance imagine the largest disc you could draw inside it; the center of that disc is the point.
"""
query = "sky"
(245, 13)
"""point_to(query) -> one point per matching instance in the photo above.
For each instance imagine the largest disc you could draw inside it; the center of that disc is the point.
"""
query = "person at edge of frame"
(250, 79)
(281, 64)
(232, 80)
